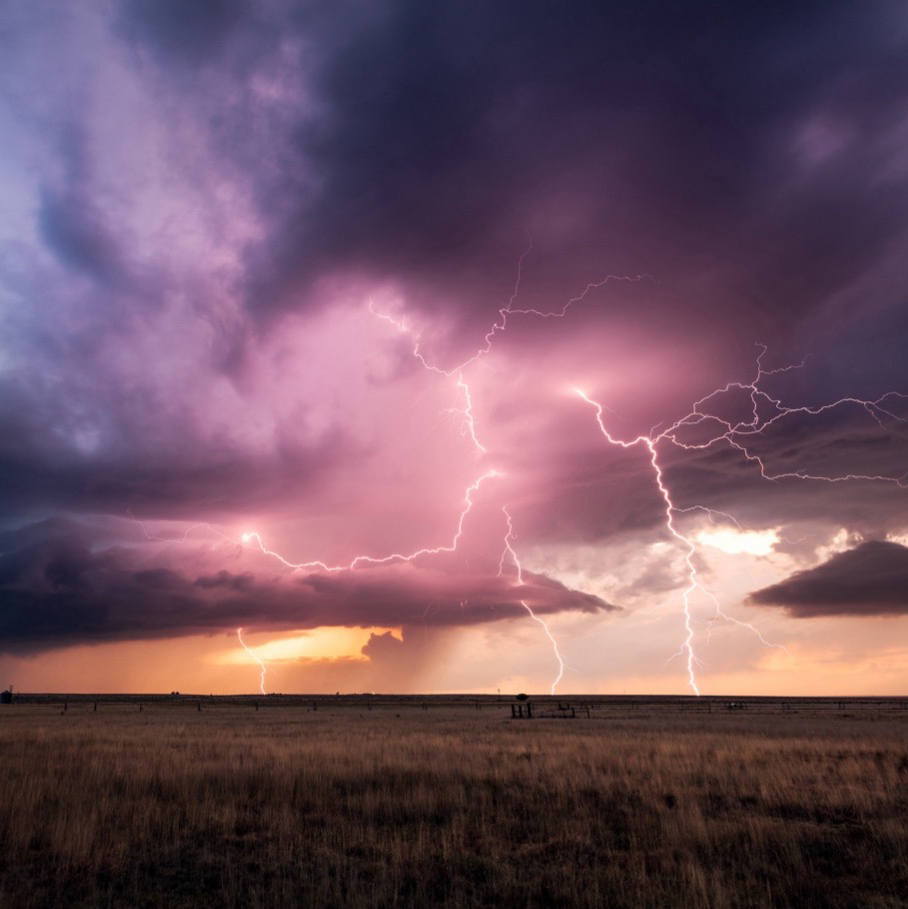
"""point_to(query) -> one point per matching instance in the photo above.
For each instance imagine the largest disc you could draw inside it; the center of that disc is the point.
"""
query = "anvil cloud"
(247, 248)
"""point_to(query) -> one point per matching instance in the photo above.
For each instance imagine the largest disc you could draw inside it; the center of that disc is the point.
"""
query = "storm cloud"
(871, 579)
(60, 586)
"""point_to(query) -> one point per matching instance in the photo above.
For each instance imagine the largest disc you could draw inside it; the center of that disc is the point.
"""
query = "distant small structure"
(523, 707)
(6, 697)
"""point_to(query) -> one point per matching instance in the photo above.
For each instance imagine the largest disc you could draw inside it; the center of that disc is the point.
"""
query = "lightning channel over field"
(252, 656)
(689, 548)
(458, 374)
(736, 435)
(509, 553)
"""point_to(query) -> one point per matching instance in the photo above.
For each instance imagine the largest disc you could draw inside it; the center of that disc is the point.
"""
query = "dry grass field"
(388, 803)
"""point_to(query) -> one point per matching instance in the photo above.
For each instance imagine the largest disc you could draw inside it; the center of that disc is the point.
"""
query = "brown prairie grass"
(233, 807)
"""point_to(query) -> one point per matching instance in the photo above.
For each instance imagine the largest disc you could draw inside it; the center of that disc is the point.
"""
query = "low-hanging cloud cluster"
(871, 579)
(59, 585)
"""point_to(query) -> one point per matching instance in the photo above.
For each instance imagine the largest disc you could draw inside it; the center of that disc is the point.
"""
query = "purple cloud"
(871, 579)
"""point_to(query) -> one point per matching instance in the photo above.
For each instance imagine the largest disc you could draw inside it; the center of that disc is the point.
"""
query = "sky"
(518, 346)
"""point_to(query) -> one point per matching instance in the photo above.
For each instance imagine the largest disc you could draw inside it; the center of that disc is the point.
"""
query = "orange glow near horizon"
(508, 657)
(325, 643)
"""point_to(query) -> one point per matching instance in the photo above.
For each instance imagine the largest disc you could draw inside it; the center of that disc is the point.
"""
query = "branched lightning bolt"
(458, 373)
(738, 435)
(765, 411)
(182, 539)
(253, 536)
(509, 553)
(239, 634)
(689, 549)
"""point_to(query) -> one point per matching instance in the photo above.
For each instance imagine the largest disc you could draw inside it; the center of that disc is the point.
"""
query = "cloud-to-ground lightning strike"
(264, 668)
(509, 552)
(182, 539)
(736, 435)
(689, 549)
(458, 373)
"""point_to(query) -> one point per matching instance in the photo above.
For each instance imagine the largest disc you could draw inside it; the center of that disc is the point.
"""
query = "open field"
(370, 801)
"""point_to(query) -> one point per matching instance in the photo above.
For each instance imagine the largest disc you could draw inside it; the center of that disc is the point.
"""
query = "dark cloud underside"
(871, 579)
(59, 586)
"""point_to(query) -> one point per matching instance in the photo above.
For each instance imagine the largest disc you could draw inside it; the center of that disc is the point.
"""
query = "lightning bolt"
(239, 634)
(509, 553)
(182, 539)
(689, 549)
(738, 435)
(765, 411)
(458, 373)
(254, 537)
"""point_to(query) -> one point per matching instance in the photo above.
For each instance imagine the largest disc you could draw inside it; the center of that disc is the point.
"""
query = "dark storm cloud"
(73, 226)
(165, 485)
(845, 442)
(59, 585)
(871, 579)
(226, 581)
(188, 31)
(142, 454)
(75, 233)
(667, 139)
(594, 491)
(719, 147)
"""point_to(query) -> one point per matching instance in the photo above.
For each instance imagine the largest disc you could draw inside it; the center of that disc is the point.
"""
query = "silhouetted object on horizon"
(523, 708)
(6, 697)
